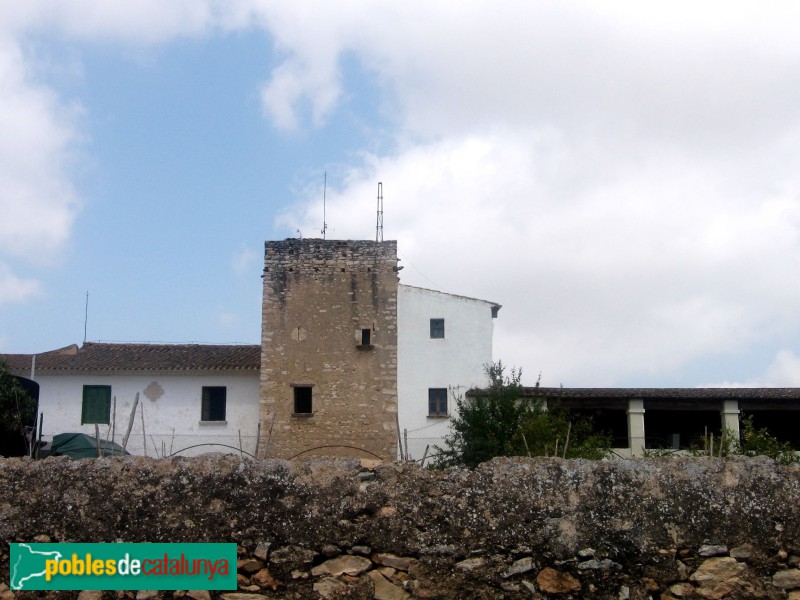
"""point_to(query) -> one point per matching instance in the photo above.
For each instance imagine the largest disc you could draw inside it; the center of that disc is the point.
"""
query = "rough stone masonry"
(668, 528)
(329, 348)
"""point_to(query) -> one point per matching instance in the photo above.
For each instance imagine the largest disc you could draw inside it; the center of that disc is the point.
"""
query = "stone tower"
(329, 348)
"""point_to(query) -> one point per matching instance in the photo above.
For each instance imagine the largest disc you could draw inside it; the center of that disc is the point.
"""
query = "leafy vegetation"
(751, 442)
(759, 442)
(17, 409)
(501, 421)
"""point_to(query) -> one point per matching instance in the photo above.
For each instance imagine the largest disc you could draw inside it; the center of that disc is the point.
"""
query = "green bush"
(500, 421)
(17, 408)
(759, 442)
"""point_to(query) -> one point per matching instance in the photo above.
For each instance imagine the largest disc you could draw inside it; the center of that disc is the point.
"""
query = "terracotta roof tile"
(94, 356)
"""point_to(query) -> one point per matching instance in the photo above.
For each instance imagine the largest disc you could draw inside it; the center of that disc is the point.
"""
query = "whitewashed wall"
(170, 422)
(455, 362)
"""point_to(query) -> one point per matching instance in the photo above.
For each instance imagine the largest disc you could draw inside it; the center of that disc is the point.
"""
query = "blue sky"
(622, 177)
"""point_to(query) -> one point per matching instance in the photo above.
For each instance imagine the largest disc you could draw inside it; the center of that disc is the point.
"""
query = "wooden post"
(113, 420)
(258, 438)
(399, 439)
(130, 423)
(97, 440)
(144, 435)
(39, 441)
(269, 436)
(425, 455)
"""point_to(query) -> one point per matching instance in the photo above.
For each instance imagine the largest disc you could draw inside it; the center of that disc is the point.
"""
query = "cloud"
(14, 289)
(38, 202)
(624, 185)
(783, 371)
(601, 278)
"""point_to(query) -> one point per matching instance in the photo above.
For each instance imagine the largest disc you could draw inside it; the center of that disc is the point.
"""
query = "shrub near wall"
(512, 528)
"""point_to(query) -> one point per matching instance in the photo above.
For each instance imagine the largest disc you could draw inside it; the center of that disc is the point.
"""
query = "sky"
(622, 176)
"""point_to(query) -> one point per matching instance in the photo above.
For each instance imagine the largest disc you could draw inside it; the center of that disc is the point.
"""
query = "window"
(96, 407)
(437, 402)
(437, 328)
(213, 408)
(366, 337)
(302, 400)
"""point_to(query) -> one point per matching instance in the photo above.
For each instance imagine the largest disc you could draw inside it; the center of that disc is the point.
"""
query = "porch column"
(730, 416)
(636, 427)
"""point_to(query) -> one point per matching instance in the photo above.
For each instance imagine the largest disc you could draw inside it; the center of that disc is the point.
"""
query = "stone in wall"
(512, 528)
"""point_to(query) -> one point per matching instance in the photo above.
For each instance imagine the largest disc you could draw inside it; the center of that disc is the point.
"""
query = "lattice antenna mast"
(379, 225)
(324, 216)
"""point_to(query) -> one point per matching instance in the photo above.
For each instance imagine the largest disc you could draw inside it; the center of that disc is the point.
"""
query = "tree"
(501, 421)
(17, 410)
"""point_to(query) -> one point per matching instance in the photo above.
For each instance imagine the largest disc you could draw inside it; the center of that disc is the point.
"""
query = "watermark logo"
(123, 567)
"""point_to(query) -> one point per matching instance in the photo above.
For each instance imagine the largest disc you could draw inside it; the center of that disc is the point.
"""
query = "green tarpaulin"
(81, 445)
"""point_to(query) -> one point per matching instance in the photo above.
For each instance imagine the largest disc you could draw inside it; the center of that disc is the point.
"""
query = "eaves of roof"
(655, 393)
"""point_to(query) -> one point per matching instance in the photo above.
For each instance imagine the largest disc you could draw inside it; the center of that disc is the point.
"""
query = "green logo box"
(122, 567)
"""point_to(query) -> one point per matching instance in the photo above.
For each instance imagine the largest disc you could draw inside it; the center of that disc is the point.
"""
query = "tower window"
(366, 337)
(302, 400)
(437, 328)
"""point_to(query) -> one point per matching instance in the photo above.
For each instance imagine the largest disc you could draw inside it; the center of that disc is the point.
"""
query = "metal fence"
(420, 449)
(162, 445)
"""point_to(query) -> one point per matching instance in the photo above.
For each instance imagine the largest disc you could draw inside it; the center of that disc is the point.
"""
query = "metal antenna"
(86, 317)
(379, 225)
(324, 222)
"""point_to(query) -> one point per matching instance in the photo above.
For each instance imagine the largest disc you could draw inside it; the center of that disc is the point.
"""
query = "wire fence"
(163, 445)
(420, 449)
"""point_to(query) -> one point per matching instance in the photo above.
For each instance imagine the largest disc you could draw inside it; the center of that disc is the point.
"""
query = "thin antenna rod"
(379, 225)
(86, 318)
(324, 216)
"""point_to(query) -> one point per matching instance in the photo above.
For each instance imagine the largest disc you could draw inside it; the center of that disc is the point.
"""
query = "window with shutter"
(96, 406)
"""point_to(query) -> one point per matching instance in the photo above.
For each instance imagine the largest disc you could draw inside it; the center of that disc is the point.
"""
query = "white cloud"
(625, 186)
(15, 289)
(600, 278)
(37, 199)
(38, 203)
(783, 371)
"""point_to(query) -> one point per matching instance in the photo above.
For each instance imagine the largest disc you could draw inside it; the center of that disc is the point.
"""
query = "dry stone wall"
(659, 529)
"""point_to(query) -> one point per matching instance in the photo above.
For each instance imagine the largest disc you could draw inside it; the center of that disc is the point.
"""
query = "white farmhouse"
(444, 342)
(190, 395)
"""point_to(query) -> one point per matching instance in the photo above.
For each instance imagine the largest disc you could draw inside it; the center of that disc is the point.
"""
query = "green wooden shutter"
(96, 406)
